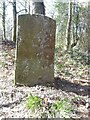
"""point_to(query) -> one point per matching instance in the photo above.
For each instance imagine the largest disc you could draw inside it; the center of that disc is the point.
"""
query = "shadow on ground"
(71, 87)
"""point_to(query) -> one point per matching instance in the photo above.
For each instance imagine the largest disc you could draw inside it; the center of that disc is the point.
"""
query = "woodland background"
(72, 63)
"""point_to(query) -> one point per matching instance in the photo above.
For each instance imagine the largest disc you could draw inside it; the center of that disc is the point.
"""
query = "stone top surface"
(38, 16)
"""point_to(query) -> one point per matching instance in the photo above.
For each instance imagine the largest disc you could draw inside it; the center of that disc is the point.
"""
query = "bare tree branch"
(22, 10)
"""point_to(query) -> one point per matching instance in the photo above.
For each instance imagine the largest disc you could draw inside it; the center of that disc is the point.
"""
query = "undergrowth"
(61, 108)
(73, 63)
(34, 102)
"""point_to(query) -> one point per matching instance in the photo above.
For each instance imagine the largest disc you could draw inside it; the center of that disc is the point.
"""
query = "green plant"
(34, 102)
(61, 108)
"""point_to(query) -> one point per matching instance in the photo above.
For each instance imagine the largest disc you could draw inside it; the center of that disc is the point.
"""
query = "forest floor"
(71, 81)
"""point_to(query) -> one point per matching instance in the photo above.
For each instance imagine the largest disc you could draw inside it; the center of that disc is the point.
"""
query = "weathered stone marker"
(35, 50)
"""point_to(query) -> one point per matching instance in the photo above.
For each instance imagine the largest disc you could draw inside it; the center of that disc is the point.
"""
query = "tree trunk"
(14, 20)
(3, 21)
(39, 7)
(25, 7)
(68, 30)
(75, 34)
(88, 27)
(29, 7)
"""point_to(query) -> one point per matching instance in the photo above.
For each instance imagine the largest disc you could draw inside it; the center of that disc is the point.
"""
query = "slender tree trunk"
(39, 7)
(75, 34)
(88, 27)
(25, 7)
(14, 20)
(68, 30)
(3, 21)
(29, 7)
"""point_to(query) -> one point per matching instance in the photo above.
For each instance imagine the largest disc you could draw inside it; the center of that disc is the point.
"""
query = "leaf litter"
(70, 76)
